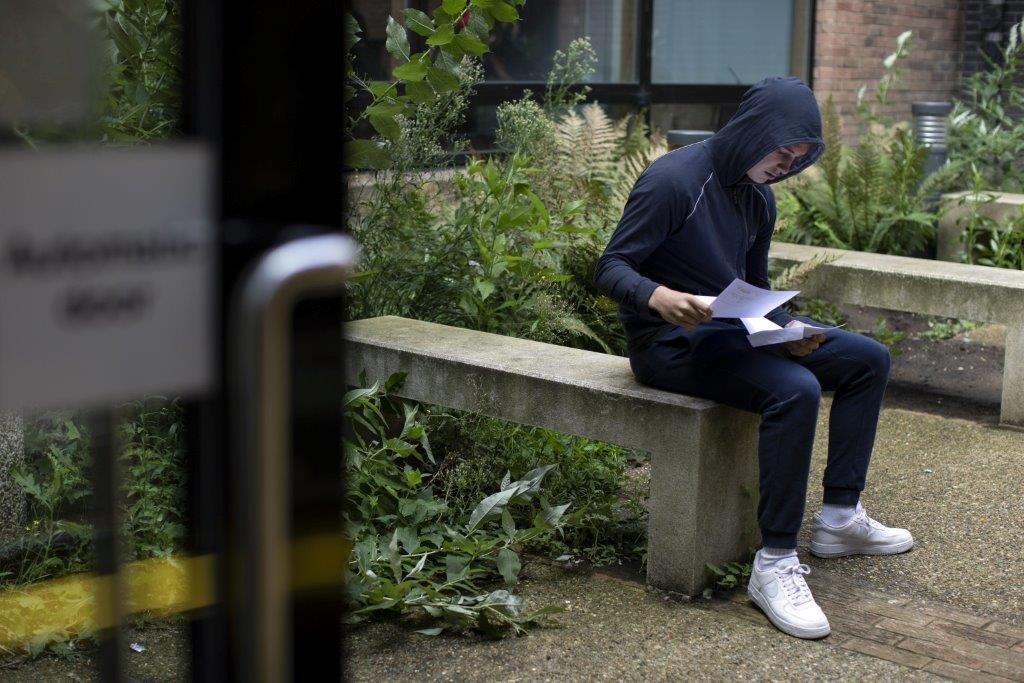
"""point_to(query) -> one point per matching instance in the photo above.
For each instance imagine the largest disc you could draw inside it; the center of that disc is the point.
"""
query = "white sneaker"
(860, 536)
(783, 596)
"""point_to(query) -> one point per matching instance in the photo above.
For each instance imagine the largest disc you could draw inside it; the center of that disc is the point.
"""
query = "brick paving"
(935, 638)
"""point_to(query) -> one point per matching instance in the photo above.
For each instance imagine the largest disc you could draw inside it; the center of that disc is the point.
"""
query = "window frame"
(643, 92)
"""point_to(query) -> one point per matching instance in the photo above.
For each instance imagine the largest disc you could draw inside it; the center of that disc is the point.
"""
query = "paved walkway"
(913, 633)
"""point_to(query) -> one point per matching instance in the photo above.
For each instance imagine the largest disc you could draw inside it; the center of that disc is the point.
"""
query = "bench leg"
(1011, 411)
(704, 491)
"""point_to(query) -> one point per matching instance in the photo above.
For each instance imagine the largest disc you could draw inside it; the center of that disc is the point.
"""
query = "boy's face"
(777, 163)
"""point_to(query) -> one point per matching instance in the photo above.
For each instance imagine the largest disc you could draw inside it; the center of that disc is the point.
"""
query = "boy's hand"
(679, 307)
(802, 347)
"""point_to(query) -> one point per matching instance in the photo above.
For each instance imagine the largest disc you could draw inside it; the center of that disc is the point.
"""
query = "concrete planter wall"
(949, 246)
(12, 498)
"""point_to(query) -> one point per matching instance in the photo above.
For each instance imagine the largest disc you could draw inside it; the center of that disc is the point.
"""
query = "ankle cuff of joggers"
(773, 539)
(841, 496)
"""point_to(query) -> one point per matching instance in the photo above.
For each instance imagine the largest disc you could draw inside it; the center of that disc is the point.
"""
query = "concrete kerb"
(703, 456)
(12, 498)
(928, 287)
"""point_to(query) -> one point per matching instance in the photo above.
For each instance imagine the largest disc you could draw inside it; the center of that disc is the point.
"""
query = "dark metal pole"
(204, 435)
(109, 597)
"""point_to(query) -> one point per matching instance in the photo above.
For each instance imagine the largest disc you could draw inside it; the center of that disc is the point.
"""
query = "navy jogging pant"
(785, 390)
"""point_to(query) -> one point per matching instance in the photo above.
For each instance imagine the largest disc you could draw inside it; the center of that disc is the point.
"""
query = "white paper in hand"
(762, 332)
(742, 300)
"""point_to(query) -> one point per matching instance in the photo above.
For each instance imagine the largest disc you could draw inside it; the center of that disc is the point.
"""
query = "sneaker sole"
(841, 549)
(792, 629)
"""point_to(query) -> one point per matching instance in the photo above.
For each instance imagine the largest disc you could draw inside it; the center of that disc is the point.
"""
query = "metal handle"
(260, 387)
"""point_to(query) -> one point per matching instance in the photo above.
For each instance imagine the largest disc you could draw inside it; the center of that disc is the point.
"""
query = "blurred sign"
(106, 286)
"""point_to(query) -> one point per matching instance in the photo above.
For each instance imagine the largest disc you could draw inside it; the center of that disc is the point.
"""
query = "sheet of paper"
(763, 332)
(742, 300)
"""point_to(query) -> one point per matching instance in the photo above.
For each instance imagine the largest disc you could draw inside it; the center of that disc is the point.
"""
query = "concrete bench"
(941, 288)
(704, 472)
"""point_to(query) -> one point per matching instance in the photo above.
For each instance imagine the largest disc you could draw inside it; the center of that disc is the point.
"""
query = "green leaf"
(418, 22)
(574, 207)
(470, 44)
(508, 524)
(554, 514)
(394, 557)
(420, 92)
(385, 125)
(365, 154)
(443, 81)
(352, 31)
(413, 71)
(380, 88)
(355, 394)
(509, 566)
(437, 630)
(455, 567)
(485, 288)
(409, 538)
(454, 7)
(491, 505)
(442, 36)
(502, 11)
(413, 477)
(445, 62)
(394, 381)
(397, 42)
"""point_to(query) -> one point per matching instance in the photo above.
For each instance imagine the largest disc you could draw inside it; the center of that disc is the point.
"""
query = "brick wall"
(853, 37)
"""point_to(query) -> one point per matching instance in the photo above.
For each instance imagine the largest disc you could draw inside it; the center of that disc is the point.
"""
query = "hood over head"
(775, 112)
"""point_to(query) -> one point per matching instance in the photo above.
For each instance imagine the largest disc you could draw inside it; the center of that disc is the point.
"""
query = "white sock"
(769, 557)
(838, 515)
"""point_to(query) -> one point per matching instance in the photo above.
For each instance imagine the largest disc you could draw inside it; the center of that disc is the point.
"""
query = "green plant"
(792, 277)
(606, 522)
(413, 555)
(145, 73)
(153, 474)
(55, 477)
(986, 129)
(573, 66)
(456, 29)
(727, 576)
(142, 77)
(947, 328)
(869, 197)
(888, 337)
(987, 241)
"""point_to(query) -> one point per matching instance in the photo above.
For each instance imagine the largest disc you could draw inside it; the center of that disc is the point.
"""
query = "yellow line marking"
(71, 605)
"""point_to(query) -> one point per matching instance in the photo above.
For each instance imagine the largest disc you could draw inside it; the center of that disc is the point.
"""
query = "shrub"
(606, 522)
(869, 197)
(414, 555)
(986, 128)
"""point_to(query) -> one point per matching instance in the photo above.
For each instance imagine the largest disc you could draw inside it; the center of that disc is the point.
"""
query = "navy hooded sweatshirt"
(694, 221)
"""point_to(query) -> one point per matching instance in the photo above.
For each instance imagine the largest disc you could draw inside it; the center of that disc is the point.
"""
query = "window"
(727, 42)
(522, 51)
(686, 62)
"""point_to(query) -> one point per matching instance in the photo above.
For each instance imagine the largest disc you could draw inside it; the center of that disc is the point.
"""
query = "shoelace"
(792, 580)
(862, 518)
